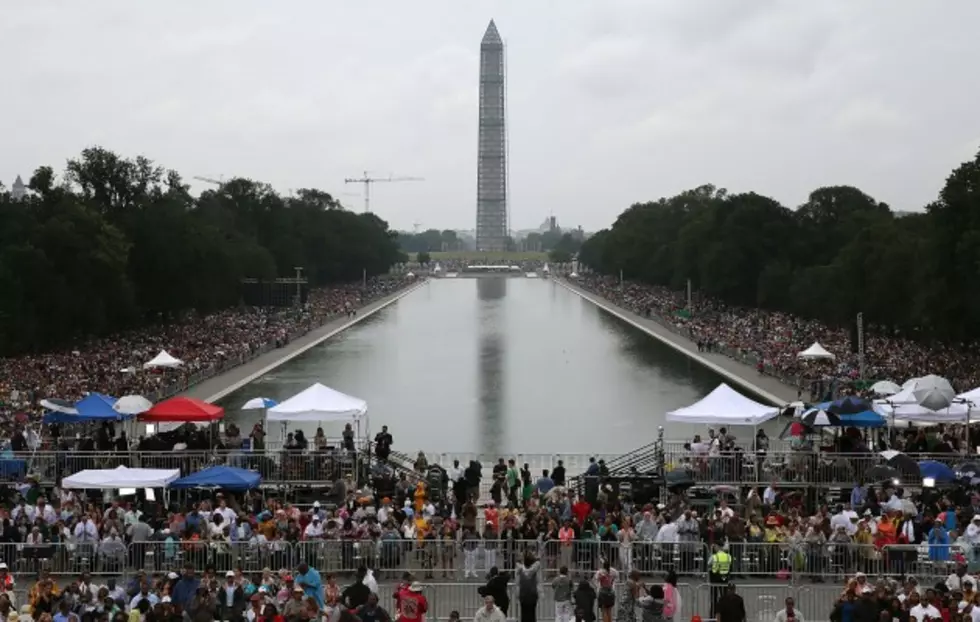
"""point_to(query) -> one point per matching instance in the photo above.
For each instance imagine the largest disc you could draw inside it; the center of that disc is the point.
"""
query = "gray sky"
(610, 102)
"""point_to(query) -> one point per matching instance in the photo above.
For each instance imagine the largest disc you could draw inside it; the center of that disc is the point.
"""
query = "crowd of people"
(773, 339)
(113, 365)
(599, 552)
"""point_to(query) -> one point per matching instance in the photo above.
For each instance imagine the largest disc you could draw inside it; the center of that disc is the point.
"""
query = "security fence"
(449, 560)
(285, 466)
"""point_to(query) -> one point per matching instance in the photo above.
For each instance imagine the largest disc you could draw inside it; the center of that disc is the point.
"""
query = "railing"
(452, 560)
(792, 468)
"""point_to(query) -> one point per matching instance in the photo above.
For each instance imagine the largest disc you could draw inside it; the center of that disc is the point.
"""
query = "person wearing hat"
(295, 607)
(231, 598)
(412, 604)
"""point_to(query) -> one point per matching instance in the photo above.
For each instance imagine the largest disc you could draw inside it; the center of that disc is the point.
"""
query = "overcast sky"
(610, 102)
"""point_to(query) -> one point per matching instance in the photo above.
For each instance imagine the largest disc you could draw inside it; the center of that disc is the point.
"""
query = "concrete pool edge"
(238, 377)
(775, 392)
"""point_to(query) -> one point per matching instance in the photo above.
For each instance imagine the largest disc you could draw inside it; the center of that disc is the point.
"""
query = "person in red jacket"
(412, 604)
(581, 510)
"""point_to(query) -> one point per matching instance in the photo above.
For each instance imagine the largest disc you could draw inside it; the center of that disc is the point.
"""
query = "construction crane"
(367, 180)
(210, 181)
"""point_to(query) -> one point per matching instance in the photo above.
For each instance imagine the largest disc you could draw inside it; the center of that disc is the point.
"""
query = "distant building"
(19, 189)
(550, 224)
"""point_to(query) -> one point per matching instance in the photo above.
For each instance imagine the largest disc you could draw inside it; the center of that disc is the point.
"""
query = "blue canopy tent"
(95, 407)
(229, 478)
(863, 419)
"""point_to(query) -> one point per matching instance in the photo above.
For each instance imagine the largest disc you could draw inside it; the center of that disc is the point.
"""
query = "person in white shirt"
(455, 472)
(668, 534)
(841, 520)
(24, 509)
(726, 512)
(489, 612)
(769, 496)
(86, 531)
(313, 531)
(226, 512)
(790, 613)
(973, 531)
(920, 611)
(955, 581)
(45, 511)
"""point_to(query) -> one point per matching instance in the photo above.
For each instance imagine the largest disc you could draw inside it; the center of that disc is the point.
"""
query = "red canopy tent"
(183, 410)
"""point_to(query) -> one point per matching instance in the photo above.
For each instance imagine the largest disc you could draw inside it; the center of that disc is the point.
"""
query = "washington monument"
(491, 172)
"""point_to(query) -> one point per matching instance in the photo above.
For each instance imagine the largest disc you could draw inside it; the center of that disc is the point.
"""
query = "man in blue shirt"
(309, 579)
(186, 588)
(544, 483)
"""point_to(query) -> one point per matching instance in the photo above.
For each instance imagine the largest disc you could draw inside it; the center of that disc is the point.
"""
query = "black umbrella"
(793, 409)
(881, 473)
(816, 418)
(849, 406)
(904, 464)
(679, 479)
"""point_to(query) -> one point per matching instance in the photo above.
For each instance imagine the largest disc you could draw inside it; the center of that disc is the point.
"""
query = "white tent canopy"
(121, 477)
(164, 359)
(722, 406)
(955, 413)
(319, 403)
(816, 351)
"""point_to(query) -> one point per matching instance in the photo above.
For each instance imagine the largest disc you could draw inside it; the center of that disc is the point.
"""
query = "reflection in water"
(490, 369)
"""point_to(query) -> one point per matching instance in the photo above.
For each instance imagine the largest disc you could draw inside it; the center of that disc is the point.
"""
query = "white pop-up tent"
(319, 403)
(816, 352)
(164, 359)
(121, 477)
(724, 406)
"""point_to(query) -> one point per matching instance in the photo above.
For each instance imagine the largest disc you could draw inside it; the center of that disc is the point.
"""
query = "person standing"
(309, 579)
(730, 607)
(606, 578)
(413, 605)
(719, 567)
(527, 587)
(562, 584)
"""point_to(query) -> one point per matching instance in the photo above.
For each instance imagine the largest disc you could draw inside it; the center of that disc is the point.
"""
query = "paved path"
(219, 386)
(768, 388)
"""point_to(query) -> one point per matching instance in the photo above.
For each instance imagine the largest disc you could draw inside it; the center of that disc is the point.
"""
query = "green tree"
(117, 243)
(840, 253)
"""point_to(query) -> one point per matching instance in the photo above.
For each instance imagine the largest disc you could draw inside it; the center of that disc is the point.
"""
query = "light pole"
(299, 285)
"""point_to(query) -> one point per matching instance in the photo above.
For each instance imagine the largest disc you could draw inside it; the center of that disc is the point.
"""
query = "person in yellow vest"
(719, 567)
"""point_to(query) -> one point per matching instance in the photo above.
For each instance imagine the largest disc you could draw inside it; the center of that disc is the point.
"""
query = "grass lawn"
(471, 255)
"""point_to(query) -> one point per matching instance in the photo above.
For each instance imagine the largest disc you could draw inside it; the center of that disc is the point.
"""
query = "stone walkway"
(745, 376)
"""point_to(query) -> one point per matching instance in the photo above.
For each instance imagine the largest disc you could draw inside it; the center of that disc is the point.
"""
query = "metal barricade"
(815, 602)
(222, 556)
(762, 601)
(928, 564)
(63, 558)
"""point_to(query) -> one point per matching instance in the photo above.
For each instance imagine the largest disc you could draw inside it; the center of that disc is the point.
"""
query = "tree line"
(839, 254)
(116, 243)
